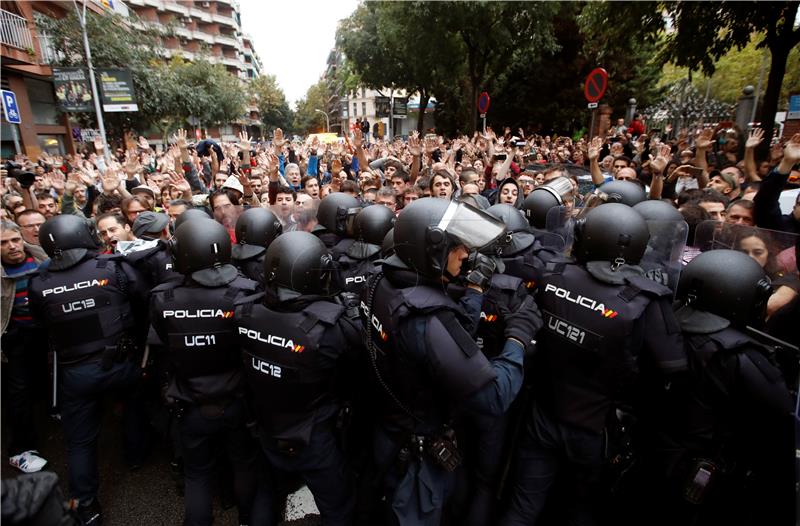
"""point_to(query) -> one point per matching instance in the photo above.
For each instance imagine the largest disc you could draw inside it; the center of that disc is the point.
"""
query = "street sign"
(10, 107)
(592, 105)
(483, 103)
(595, 86)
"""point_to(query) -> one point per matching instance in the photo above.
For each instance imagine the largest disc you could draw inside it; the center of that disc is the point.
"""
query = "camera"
(20, 173)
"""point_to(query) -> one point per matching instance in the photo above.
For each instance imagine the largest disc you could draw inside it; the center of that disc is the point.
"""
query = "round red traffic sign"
(595, 86)
(483, 102)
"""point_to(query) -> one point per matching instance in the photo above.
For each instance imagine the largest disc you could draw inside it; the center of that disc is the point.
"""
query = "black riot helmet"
(556, 192)
(190, 214)
(519, 236)
(66, 239)
(337, 211)
(256, 228)
(300, 262)
(611, 232)
(387, 246)
(657, 210)
(372, 223)
(429, 228)
(202, 248)
(369, 228)
(624, 192)
(727, 283)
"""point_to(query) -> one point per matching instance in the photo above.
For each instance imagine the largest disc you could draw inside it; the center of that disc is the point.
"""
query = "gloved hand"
(479, 269)
(523, 323)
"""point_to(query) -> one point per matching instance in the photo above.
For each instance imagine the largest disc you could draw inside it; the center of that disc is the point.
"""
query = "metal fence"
(14, 31)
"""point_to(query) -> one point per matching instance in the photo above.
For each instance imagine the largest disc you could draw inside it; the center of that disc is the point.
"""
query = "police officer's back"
(425, 361)
(256, 228)
(603, 320)
(94, 310)
(194, 321)
(293, 337)
(736, 449)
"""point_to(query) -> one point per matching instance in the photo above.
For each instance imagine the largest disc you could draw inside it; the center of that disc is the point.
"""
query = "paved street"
(147, 496)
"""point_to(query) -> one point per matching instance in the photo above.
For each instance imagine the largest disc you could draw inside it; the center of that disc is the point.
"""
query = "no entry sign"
(483, 102)
(595, 86)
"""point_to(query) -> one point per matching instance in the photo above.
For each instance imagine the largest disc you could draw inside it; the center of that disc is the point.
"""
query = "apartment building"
(25, 70)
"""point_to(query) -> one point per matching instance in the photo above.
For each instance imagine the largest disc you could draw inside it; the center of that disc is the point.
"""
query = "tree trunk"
(423, 104)
(769, 103)
(473, 111)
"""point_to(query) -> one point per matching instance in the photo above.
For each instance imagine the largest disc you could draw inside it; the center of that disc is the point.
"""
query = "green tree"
(306, 119)
(167, 93)
(115, 42)
(271, 103)
(388, 45)
(696, 35)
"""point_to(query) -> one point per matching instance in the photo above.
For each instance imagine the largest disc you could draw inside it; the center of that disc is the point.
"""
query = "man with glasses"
(526, 183)
(29, 222)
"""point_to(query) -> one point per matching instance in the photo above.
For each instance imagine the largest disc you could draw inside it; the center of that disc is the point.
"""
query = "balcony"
(227, 20)
(227, 40)
(14, 31)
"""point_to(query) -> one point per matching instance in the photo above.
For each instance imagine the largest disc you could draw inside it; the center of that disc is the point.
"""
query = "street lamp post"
(327, 121)
(87, 49)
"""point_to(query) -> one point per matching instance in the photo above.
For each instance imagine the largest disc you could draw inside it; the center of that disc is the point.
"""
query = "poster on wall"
(116, 90)
(73, 92)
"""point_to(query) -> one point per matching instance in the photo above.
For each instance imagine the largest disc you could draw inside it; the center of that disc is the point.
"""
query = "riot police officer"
(256, 228)
(733, 460)
(424, 359)
(369, 230)
(602, 317)
(294, 340)
(94, 310)
(335, 215)
(194, 321)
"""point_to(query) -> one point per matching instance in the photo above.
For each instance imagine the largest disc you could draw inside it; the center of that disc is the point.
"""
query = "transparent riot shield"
(561, 222)
(662, 260)
(774, 250)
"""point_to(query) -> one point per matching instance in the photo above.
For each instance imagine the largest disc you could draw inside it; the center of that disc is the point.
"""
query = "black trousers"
(25, 379)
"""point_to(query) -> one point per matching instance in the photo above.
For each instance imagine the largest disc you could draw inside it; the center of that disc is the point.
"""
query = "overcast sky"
(293, 38)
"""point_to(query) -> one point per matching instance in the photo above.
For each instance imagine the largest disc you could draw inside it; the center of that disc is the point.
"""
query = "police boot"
(89, 514)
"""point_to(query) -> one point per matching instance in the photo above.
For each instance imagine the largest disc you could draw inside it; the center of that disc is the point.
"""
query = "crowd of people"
(410, 327)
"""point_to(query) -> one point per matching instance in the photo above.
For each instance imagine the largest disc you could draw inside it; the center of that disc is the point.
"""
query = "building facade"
(25, 70)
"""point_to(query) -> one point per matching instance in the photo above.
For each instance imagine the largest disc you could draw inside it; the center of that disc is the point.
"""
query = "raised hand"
(244, 141)
(703, 139)
(413, 144)
(431, 145)
(143, 143)
(98, 144)
(180, 138)
(791, 151)
(358, 138)
(179, 182)
(754, 138)
(594, 148)
(662, 158)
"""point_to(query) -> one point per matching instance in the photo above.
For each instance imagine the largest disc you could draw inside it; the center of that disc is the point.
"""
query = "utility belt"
(124, 350)
(441, 449)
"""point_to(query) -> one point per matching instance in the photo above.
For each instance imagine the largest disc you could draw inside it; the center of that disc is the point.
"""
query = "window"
(43, 101)
(355, 109)
(52, 144)
(364, 109)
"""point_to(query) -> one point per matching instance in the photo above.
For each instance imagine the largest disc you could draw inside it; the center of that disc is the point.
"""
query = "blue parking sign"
(10, 107)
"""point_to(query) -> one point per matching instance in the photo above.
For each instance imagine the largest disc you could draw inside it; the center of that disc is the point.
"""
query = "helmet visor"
(470, 226)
